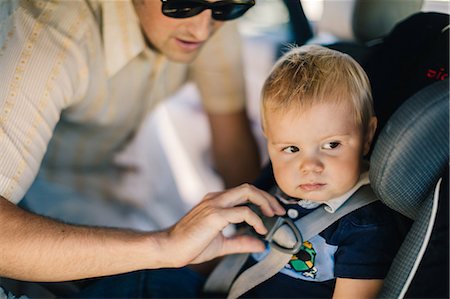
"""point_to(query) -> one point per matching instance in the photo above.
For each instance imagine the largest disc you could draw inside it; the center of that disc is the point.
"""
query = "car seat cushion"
(412, 150)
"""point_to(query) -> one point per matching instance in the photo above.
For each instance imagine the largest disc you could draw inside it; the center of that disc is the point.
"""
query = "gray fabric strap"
(223, 275)
(221, 278)
(309, 226)
(260, 272)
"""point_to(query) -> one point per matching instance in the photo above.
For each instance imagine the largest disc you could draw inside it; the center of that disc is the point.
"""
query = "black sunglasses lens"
(221, 10)
(229, 11)
(182, 9)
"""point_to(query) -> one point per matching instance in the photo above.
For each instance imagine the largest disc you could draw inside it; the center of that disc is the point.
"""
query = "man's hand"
(197, 237)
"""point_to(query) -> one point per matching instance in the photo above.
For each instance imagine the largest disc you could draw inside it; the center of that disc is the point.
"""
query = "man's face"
(179, 40)
(316, 154)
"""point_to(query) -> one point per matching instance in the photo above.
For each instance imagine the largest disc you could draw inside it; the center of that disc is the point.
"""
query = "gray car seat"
(409, 159)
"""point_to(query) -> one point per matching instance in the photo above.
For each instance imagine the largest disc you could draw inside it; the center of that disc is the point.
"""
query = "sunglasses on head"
(222, 10)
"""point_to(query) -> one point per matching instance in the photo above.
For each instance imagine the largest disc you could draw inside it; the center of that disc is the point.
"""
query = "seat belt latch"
(279, 223)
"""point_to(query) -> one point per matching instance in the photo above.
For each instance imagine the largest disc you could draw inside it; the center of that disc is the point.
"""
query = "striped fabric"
(76, 80)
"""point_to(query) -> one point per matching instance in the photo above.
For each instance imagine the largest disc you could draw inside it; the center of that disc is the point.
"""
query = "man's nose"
(311, 164)
(201, 25)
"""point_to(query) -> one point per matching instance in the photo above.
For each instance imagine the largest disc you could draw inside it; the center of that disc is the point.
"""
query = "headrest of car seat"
(364, 20)
(372, 19)
(412, 151)
(413, 55)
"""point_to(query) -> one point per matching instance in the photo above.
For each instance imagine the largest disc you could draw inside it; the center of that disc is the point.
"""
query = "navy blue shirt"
(361, 245)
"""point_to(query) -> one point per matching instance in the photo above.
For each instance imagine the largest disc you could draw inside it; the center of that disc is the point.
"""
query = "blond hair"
(313, 74)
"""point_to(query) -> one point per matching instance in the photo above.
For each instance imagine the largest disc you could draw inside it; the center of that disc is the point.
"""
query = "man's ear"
(370, 132)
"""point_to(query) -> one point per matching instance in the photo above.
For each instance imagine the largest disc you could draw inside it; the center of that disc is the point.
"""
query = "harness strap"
(223, 275)
(285, 239)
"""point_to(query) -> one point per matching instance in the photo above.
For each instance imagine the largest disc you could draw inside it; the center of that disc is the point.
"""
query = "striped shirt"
(77, 79)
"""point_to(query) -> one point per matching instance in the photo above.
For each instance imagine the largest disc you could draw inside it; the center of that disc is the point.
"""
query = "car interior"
(405, 52)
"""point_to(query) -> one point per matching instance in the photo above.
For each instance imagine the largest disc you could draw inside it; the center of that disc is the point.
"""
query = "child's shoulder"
(376, 221)
(375, 213)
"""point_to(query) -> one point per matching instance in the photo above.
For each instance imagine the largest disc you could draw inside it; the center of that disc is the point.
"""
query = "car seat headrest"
(412, 151)
(373, 19)
(364, 20)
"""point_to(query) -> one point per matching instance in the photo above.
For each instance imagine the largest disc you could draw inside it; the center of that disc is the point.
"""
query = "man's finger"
(242, 244)
(244, 214)
(245, 193)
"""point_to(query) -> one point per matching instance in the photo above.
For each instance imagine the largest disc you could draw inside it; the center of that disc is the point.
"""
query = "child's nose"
(311, 164)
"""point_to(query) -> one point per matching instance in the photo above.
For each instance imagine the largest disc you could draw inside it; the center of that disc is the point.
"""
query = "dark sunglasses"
(222, 10)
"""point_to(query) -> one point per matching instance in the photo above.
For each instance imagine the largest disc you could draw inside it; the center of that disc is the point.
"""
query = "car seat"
(409, 173)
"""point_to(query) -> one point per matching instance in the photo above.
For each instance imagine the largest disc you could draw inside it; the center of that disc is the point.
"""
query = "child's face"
(316, 154)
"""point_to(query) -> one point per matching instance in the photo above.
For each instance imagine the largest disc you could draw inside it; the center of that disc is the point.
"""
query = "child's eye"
(291, 149)
(331, 145)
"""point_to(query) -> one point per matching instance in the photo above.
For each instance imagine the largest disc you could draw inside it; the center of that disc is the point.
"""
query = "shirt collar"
(122, 34)
(331, 205)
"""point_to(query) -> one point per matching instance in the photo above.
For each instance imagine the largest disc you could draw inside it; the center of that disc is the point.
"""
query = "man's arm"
(219, 75)
(236, 154)
(36, 248)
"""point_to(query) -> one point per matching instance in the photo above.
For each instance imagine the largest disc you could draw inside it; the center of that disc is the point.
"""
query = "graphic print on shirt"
(314, 261)
(303, 261)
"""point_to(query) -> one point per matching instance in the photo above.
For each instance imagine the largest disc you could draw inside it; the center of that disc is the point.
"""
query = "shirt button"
(292, 213)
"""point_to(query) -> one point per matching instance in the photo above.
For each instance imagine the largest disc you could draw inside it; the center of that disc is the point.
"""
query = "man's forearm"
(240, 164)
(39, 249)
(235, 150)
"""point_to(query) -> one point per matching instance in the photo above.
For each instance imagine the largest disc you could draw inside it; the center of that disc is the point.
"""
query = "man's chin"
(183, 57)
(177, 56)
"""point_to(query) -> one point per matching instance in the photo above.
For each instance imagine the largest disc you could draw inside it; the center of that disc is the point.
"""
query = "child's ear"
(369, 134)
(263, 129)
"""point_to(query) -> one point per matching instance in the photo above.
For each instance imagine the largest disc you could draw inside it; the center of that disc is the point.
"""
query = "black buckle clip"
(279, 223)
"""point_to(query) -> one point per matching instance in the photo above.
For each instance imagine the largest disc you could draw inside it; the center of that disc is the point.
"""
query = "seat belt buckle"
(279, 223)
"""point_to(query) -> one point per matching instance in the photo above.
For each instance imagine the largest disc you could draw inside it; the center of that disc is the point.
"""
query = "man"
(76, 79)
